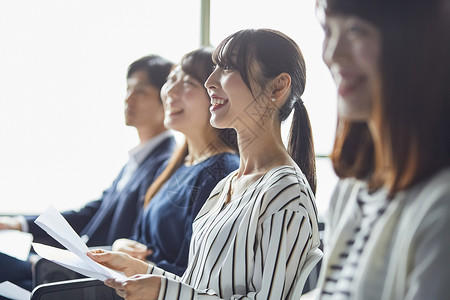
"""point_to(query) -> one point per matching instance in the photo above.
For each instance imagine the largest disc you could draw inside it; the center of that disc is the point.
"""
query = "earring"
(273, 99)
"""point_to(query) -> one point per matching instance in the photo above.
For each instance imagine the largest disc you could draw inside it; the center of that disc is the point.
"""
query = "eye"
(227, 67)
(188, 83)
(326, 30)
(140, 91)
(357, 30)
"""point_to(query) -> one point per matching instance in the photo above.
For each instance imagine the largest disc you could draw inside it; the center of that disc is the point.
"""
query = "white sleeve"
(429, 278)
(23, 223)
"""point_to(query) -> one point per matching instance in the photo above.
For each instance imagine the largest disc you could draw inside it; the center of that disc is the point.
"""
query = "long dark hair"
(198, 64)
(275, 53)
(412, 103)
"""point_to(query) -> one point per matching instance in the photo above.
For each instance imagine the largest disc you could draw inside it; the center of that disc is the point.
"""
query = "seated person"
(113, 216)
(252, 237)
(386, 233)
(208, 155)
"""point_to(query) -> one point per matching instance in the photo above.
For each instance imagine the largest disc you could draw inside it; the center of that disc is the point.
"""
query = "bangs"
(365, 9)
(235, 51)
(198, 64)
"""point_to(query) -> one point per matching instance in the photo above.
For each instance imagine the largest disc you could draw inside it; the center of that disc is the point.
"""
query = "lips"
(347, 80)
(173, 111)
(217, 102)
(348, 85)
(129, 111)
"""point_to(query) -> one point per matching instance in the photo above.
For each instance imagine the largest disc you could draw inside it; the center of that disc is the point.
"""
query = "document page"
(12, 291)
(15, 243)
(75, 259)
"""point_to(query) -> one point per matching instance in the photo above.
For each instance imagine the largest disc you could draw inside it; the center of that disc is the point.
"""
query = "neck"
(201, 147)
(146, 134)
(261, 150)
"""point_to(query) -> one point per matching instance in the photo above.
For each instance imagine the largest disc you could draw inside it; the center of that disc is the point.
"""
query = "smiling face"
(230, 96)
(351, 50)
(143, 107)
(235, 102)
(186, 103)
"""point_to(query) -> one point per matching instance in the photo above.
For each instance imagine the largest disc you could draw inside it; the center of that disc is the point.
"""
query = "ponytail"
(301, 146)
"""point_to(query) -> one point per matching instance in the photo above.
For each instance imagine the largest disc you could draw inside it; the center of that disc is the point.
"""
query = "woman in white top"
(387, 228)
(251, 238)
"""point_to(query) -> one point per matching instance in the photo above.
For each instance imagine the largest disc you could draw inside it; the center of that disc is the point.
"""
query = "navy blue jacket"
(114, 215)
(165, 225)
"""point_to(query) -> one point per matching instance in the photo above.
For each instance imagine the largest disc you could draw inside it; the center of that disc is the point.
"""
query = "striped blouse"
(252, 248)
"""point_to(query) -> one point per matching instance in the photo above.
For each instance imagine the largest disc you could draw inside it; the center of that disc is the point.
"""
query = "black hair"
(156, 67)
(275, 53)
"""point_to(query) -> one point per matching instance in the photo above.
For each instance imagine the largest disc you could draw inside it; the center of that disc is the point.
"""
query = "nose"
(173, 88)
(335, 49)
(212, 82)
(167, 101)
(129, 96)
(170, 92)
(163, 91)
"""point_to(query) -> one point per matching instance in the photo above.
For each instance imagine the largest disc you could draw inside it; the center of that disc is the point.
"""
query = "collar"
(141, 151)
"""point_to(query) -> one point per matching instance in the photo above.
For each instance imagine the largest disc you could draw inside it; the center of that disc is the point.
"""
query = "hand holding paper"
(75, 259)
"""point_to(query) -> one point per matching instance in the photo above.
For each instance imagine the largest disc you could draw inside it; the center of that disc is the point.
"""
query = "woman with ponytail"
(163, 231)
(252, 236)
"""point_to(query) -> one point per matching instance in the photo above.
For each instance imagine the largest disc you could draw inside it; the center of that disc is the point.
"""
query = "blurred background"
(62, 86)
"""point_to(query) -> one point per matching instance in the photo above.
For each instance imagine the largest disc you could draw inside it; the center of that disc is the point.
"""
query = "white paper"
(12, 291)
(58, 228)
(15, 243)
(71, 261)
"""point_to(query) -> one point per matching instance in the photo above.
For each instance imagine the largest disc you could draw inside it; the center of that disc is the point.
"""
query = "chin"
(217, 124)
(354, 115)
(354, 109)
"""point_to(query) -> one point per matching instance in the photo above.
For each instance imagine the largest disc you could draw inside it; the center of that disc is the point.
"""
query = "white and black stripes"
(252, 248)
(337, 284)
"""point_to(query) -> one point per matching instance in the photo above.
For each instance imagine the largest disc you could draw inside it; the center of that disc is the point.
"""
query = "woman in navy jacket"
(208, 155)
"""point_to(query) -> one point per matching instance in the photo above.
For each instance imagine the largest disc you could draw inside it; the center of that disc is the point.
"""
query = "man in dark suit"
(113, 216)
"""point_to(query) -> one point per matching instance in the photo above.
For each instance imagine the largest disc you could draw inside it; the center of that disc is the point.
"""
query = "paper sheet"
(12, 291)
(77, 260)
(15, 243)
(71, 261)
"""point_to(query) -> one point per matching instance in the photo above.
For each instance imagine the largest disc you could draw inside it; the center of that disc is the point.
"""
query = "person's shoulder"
(433, 191)
(214, 169)
(440, 181)
(345, 185)
(222, 163)
(285, 187)
(285, 176)
(224, 158)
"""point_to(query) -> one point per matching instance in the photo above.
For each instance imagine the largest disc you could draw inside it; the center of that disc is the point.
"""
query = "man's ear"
(281, 87)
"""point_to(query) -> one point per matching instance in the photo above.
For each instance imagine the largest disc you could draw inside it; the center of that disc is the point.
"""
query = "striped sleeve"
(281, 247)
(158, 271)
